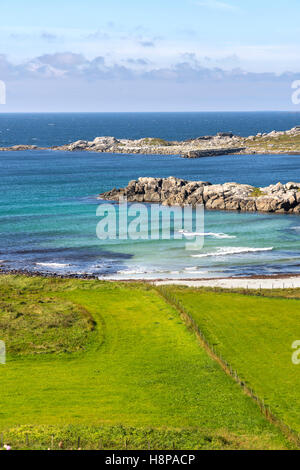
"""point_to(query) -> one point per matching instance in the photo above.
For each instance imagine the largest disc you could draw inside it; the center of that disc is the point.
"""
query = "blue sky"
(165, 49)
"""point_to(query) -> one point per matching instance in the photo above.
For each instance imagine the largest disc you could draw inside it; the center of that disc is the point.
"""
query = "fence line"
(265, 409)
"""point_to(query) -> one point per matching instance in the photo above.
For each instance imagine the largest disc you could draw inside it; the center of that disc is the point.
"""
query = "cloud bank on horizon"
(176, 55)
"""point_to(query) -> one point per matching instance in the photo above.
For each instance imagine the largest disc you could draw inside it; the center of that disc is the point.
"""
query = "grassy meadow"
(113, 365)
(254, 334)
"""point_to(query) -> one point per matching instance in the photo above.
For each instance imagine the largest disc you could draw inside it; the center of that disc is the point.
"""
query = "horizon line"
(151, 112)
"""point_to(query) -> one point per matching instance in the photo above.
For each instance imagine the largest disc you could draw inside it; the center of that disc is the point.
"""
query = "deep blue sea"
(49, 200)
(50, 129)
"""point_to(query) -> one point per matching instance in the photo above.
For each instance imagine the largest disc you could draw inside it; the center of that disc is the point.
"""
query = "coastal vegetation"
(275, 144)
(136, 376)
(31, 325)
(257, 192)
(154, 141)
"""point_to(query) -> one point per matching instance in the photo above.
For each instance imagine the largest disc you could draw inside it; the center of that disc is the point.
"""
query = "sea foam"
(206, 234)
(53, 265)
(231, 251)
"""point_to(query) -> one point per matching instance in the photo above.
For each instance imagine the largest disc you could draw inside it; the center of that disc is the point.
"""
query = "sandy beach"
(239, 283)
(254, 282)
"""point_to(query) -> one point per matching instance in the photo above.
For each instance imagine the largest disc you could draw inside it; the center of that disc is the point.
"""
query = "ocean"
(49, 199)
(47, 129)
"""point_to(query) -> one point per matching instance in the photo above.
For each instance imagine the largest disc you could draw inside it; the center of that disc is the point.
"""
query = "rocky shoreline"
(29, 273)
(275, 281)
(224, 143)
(278, 198)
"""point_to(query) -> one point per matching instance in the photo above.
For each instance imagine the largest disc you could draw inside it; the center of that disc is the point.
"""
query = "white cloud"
(216, 5)
(72, 82)
(189, 68)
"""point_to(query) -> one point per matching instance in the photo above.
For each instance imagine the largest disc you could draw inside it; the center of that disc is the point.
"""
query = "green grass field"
(116, 366)
(254, 334)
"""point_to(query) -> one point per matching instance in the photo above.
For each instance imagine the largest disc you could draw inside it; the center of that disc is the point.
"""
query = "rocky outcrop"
(210, 153)
(18, 148)
(221, 144)
(224, 143)
(279, 198)
(99, 144)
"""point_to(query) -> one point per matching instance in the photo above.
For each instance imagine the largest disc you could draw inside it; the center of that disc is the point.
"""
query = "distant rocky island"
(279, 198)
(224, 143)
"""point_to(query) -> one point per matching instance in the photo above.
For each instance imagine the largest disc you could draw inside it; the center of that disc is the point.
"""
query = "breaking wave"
(231, 251)
(53, 265)
(206, 234)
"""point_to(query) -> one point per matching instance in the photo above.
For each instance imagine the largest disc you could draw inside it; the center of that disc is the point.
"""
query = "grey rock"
(228, 196)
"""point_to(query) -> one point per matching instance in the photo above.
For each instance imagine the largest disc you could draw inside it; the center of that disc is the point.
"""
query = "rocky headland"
(224, 143)
(279, 198)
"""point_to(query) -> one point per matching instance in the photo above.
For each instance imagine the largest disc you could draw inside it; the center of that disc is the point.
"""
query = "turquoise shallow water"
(48, 217)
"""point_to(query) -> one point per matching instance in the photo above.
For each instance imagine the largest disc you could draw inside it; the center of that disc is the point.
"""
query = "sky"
(149, 55)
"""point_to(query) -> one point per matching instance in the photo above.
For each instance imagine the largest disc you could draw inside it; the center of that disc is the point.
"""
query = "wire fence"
(216, 355)
(31, 441)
